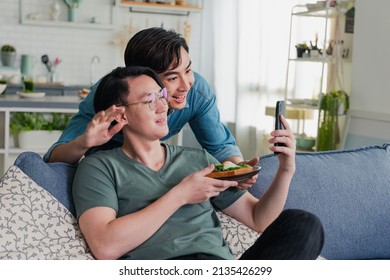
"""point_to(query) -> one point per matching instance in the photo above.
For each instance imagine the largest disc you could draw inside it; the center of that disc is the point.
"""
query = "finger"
(206, 170)
(112, 112)
(254, 161)
(116, 128)
(97, 117)
(247, 183)
(285, 122)
(223, 183)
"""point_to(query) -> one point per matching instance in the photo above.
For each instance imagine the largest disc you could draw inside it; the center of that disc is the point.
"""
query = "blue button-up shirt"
(201, 113)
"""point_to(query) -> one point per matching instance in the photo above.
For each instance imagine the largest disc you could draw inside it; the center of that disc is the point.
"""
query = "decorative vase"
(38, 139)
(73, 14)
(55, 10)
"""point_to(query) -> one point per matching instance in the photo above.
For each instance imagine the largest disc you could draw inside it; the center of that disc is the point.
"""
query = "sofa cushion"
(237, 235)
(349, 190)
(56, 177)
(34, 224)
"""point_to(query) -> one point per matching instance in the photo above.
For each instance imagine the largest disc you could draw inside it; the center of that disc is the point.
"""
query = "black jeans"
(294, 235)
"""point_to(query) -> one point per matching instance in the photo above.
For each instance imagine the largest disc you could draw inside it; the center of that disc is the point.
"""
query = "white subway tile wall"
(77, 45)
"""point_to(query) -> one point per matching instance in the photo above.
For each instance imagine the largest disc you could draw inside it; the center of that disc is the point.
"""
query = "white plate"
(31, 94)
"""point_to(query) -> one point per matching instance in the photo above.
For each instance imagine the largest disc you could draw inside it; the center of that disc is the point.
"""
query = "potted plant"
(29, 85)
(37, 130)
(8, 55)
(301, 49)
(314, 50)
(332, 105)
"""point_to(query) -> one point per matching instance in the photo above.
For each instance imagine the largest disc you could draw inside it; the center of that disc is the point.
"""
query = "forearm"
(70, 152)
(271, 204)
(115, 238)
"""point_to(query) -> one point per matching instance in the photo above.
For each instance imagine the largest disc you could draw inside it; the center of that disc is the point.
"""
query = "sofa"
(349, 190)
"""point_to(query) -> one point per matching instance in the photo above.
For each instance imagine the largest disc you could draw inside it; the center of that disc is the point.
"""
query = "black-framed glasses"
(152, 99)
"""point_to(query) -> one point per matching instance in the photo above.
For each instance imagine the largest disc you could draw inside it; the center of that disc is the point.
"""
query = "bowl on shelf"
(305, 143)
(83, 93)
(2, 88)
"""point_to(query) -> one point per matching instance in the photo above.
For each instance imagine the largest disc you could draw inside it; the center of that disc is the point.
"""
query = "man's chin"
(177, 106)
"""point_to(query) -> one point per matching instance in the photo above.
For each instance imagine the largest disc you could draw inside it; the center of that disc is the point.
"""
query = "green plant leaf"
(26, 121)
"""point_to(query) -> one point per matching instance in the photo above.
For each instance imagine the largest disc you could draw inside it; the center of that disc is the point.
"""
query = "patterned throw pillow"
(237, 235)
(34, 224)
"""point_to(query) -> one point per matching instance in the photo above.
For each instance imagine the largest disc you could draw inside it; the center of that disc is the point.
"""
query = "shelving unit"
(156, 8)
(133, 6)
(66, 24)
(307, 77)
(11, 104)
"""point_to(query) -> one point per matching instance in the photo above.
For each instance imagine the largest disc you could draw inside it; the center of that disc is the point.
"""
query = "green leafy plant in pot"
(30, 129)
(332, 105)
(8, 55)
(302, 49)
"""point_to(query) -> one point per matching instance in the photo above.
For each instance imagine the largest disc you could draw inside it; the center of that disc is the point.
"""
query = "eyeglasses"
(152, 99)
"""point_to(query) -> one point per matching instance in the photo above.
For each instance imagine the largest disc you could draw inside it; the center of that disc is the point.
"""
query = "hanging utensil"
(45, 60)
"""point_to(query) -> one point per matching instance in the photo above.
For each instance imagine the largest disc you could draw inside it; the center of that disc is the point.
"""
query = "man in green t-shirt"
(149, 200)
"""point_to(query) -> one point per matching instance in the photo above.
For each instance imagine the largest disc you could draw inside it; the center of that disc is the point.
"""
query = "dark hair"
(156, 48)
(113, 88)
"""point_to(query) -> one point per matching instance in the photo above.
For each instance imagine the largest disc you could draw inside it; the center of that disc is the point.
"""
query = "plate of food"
(233, 172)
(31, 94)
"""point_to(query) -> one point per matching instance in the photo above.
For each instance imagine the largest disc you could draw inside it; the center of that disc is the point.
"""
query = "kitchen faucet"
(94, 59)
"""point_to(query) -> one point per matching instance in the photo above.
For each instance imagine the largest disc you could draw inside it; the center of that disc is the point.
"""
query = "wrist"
(81, 143)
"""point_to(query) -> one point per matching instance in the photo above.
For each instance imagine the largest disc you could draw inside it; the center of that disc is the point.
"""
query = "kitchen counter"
(46, 102)
(56, 89)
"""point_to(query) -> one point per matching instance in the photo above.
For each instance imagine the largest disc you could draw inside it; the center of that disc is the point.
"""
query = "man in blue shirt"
(148, 200)
(191, 101)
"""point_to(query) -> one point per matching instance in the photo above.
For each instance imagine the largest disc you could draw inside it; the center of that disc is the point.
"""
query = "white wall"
(371, 57)
(370, 96)
(77, 46)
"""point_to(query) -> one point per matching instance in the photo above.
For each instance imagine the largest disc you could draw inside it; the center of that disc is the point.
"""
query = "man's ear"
(121, 118)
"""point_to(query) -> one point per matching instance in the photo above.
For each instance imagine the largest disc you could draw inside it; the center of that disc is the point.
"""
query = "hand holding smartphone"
(279, 110)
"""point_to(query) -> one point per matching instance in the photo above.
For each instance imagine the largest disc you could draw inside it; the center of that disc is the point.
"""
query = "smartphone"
(279, 110)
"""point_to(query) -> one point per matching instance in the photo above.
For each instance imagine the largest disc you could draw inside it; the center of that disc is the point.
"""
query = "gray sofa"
(349, 190)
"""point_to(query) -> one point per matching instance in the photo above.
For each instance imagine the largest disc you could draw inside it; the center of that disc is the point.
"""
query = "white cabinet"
(315, 73)
(10, 104)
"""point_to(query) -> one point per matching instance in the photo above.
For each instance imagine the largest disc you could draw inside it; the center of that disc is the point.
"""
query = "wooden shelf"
(67, 24)
(141, 7)
(24, 19)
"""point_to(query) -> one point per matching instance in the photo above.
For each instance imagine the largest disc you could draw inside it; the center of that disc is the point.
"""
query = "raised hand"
(99, 130)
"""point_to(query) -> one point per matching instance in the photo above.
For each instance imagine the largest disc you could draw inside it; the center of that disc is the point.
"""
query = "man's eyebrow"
(175, 72)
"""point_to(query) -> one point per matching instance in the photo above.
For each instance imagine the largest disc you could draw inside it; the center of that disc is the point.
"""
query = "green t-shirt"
(111, 179)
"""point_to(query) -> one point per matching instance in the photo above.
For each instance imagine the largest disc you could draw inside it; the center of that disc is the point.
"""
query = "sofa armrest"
(56, 177)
